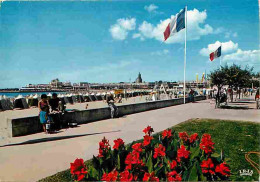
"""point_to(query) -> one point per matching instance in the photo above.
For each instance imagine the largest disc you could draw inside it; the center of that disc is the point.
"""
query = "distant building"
(139, 78)
(81, 86)
(56, 83)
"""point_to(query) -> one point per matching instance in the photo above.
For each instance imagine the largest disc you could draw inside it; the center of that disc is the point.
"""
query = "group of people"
(46, 107)
(55, 105)
(227, 94)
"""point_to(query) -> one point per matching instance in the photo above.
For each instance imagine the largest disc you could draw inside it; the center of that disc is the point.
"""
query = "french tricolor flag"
(176, 24)
(215, 54)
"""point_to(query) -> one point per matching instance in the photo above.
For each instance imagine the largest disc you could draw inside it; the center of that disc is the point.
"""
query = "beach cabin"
(69, 98)
(33, 101)
(5, 103)
(98, 96)
(86, 97)
(80, 98)
(20, 103)
(103, 95)
(92, 97)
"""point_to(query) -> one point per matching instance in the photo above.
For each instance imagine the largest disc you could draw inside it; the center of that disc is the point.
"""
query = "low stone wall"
(29, 125)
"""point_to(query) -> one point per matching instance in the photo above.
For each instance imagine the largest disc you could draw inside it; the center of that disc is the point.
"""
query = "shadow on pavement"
(41, 140)
(235, 107)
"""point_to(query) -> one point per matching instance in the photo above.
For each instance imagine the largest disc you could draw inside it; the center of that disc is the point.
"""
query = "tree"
(236, 77)
(233, 76)
(217, 78)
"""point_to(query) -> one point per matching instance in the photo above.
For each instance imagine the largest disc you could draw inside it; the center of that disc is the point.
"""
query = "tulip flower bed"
(172, 155)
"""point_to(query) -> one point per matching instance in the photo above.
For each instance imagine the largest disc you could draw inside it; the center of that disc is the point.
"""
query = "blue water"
(11, 94)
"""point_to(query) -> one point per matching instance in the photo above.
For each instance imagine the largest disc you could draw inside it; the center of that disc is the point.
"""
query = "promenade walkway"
(32, 162)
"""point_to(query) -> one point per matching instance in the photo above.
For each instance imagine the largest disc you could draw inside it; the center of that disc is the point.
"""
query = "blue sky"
(113, 41)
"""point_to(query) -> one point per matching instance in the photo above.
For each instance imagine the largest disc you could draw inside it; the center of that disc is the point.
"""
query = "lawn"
(234, 138)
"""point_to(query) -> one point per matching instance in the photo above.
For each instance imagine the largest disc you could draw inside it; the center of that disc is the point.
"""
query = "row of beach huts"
(21, 102)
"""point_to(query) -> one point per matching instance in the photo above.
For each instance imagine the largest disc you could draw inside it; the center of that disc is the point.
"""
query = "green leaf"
(118, 162)
(149, 163)
(93, 172)
(195, 152)
(193, 176)
(158, 170)
(96, 162)
(216, 155)
(187, 172)
(157, 163)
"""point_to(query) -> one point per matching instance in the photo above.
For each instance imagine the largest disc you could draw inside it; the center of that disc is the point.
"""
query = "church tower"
(139, 78)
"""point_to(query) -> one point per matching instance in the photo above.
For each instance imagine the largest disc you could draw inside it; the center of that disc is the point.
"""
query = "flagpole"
(184, 84)
(220, 58)
(220, 62)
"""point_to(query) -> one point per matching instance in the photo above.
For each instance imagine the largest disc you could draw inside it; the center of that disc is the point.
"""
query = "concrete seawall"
(30, 125)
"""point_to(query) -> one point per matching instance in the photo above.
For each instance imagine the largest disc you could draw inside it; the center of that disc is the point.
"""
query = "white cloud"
(227, 47)
(128, 24)
(160, 53)
(119, 31)
(151, 8)
(195, 29)
(229, 34)
(137, 35)
(219, 30)
(250, 57)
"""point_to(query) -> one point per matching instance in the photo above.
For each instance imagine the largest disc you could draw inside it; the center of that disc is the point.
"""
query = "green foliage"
(233, 76)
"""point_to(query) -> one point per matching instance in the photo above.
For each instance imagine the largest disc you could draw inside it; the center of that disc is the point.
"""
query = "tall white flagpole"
(184, 84)
(220, 57)
(220, 62)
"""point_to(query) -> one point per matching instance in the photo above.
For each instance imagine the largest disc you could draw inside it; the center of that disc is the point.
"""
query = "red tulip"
(184, 136)
(118, 143)
(207, 166)
(159, 151)
(167, 133)
(207, 144)
(147, 140)
(223, 169)
(78, 168)
(148, 130)
(150, 177)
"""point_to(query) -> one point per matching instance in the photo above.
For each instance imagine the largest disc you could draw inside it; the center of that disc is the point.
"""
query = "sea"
(15, 94)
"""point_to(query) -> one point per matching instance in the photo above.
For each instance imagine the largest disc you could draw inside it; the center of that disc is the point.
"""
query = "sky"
(112, 41)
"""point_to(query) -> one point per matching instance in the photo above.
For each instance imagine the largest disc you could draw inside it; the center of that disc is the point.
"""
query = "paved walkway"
(32, 162)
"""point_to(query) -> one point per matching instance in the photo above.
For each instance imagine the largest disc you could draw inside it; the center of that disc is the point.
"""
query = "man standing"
(111, 103)
(192, 95)
(56, 115)
(54, 102)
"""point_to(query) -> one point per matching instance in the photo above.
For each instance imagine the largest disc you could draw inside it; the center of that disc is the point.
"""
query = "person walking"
(111, 103)
(44, 110)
